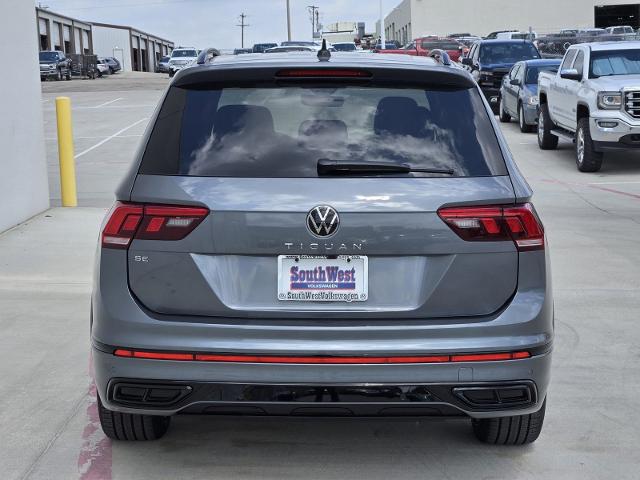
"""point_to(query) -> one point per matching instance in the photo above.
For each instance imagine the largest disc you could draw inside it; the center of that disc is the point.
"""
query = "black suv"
(490, 60)
(54, 64)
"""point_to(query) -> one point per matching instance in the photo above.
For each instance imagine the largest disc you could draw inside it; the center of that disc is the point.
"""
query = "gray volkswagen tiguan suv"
(345, 237)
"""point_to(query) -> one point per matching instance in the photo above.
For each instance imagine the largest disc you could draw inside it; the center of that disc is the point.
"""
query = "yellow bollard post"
(65, 153)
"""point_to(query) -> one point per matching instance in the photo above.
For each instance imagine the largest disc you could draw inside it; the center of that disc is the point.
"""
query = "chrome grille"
(632, 103)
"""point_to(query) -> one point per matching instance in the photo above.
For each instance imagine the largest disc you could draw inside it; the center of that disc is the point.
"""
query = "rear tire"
(587, 159)
(131, 427)
(524, 128)
(504, 116)
(516, 430)
(546, 140)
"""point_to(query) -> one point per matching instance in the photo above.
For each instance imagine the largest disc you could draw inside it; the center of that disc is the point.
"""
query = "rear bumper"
(333, 390)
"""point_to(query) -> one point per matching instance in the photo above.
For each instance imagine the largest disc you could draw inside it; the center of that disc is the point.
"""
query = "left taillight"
(518, 223)
(127, 221)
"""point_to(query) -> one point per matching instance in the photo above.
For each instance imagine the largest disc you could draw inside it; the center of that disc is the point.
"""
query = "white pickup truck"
(593, 100)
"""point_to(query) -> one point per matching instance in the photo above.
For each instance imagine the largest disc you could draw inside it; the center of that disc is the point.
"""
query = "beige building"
(60, 32)
(417, 18)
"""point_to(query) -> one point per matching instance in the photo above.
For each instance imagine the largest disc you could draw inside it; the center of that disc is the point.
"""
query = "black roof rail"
(440, 56)
(208, 55)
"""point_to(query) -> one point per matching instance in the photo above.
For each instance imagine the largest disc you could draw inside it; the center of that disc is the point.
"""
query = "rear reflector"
(204, 357)
(323, 72)
(127, 221)
(519, 224)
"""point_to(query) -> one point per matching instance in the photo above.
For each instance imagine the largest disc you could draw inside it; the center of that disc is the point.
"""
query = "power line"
(242, 26)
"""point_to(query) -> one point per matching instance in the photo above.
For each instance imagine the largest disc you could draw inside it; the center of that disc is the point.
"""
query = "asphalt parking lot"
(48, 416)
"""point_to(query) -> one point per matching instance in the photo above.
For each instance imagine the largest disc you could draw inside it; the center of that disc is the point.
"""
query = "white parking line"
(53, 139)
(111, 137)
(107, 103)
(613, 183)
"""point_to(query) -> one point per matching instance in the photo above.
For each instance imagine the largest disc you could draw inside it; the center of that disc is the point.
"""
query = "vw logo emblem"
(323, 221)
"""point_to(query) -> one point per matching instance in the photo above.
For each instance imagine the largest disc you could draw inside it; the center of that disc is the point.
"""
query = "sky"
(204, 23)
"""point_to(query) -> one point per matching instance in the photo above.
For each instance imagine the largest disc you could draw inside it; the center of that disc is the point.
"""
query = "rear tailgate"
(417, 266)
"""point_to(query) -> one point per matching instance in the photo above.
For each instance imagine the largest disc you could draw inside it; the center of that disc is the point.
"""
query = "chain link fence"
(555, 44)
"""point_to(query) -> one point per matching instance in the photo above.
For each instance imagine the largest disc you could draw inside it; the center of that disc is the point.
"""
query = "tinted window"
(507, 52)
(48, 56)
(579, 63)
(284, 131)
(568, 59)
(345, 47)
(534, 72)
(616, 62)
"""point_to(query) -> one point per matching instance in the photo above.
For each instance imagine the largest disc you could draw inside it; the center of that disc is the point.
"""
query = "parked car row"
(56, 65)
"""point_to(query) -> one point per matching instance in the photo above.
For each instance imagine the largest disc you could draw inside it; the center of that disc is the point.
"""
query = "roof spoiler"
(440, 56)
(208, 55)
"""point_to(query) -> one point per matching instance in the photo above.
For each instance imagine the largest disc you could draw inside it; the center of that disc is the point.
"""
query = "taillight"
(519, 223)
(149, 222)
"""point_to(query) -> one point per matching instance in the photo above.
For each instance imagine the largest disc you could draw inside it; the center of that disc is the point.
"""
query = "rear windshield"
(442, 44)
(507, 52)
(283, 131)
(345, 47)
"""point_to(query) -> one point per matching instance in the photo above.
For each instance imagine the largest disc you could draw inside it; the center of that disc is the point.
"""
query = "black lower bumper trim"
(313, 400)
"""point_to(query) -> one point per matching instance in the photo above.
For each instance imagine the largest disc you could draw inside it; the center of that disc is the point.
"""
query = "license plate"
(306, 278)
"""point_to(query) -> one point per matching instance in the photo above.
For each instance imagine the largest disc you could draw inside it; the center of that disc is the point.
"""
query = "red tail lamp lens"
(231, 358)
(149, 222)
(519, 224)
(323, 72)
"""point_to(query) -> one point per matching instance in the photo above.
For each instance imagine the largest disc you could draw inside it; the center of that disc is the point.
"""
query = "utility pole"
(242, 26)
(383, 39)
(288, 21)
(313, 12)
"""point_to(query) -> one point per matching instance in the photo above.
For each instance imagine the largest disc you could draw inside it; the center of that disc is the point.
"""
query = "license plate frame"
(319, 289)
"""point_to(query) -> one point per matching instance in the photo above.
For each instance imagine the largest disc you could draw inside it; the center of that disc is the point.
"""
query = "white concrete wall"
(105, 39)
(441, 17)
(24, 190)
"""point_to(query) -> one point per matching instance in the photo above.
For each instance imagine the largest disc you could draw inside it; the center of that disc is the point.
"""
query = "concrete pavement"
(47, 407)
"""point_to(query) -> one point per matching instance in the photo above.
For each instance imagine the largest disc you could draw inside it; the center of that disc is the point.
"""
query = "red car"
(423, 46)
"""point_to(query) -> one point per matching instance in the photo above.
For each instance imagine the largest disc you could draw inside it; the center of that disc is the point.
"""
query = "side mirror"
(515, 82)
(467, 61)
(571, 74)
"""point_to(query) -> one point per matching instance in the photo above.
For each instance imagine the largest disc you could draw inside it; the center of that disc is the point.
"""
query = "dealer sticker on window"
(322, 279)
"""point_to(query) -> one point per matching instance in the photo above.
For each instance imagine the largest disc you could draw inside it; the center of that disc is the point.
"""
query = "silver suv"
(340, 237)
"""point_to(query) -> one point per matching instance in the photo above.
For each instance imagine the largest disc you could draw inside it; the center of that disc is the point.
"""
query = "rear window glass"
(442, 44)
(284, 131)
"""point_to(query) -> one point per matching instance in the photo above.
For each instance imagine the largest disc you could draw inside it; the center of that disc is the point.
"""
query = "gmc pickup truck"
(593, 101)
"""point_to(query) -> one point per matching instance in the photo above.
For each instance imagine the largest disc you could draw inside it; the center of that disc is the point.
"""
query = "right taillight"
(127, 221)
(518, 223)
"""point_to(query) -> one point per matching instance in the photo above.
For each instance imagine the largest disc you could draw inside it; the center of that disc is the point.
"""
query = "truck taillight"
(127, 221)
(519, 224)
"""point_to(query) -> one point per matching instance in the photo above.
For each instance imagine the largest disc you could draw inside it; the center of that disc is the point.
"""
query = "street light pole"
(383, 37)
(288, 21)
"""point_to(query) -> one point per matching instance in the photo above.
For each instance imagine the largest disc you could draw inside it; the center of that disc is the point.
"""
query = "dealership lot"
(47, 405)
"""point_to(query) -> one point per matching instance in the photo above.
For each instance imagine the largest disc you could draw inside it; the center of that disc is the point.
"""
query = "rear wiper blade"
(344, 167)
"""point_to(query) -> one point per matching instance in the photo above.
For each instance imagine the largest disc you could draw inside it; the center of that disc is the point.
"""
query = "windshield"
(284, 131)
(184, 53)
(261, 47)
(442, 44)
(534, 72)
(507, 52)
(345, 47)
(616, 62)
(48, 56)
